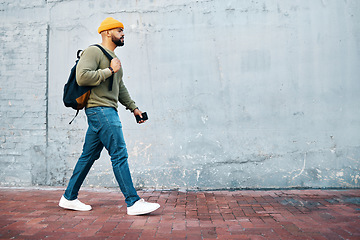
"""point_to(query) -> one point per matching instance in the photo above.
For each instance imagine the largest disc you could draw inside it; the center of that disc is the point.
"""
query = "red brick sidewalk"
(281, 214)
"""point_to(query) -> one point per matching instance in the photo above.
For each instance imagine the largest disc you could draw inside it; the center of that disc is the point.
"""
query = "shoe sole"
(74, 209)
(143, 213)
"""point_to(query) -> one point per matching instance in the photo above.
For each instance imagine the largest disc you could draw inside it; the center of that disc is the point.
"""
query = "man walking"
(105, 128)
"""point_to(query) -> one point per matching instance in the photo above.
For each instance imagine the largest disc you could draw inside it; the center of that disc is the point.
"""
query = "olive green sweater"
(93, 70)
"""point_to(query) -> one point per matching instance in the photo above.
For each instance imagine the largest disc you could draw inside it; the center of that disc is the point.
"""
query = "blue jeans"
(104, 129)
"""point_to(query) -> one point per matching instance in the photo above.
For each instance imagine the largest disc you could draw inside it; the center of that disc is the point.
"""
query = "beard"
(118, 42)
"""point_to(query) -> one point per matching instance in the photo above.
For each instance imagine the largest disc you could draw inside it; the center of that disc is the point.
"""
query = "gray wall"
(240, 94)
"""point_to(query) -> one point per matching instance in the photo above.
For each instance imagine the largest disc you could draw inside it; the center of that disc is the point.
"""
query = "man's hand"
(137, 112)
(115, 64)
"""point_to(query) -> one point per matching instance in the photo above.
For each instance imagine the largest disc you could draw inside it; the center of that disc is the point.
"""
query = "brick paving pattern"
(279, 214)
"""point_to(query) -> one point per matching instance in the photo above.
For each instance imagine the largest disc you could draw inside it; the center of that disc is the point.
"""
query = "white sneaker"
(141, 207)
(73, 204)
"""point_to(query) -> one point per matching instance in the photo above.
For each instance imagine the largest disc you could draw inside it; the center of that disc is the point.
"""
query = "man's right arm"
(87, 72)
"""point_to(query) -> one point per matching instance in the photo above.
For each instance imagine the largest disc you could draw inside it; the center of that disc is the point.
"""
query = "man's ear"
(108, 33)
(105, 33)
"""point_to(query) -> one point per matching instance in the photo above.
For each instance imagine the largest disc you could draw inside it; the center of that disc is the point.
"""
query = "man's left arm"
(125, 99)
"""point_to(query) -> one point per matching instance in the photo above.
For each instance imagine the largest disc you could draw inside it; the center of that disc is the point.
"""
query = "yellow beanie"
(109, 23)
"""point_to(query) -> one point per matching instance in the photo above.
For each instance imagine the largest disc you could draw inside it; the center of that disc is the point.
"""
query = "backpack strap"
(110, 58)
(77, 112)
(78, 53)
(104, 51)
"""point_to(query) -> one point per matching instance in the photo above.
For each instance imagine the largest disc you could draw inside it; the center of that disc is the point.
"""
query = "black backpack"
(76, 96)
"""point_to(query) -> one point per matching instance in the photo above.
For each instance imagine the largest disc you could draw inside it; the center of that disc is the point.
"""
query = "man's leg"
(111, 136)
(91, 152)
(113, 140)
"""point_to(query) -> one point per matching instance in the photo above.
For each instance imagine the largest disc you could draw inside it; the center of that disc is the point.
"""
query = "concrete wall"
(240, 94)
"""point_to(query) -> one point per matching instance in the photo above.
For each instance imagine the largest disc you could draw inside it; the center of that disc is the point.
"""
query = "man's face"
(117, 36)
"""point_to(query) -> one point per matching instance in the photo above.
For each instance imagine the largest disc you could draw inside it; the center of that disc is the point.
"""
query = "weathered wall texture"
(240, 94)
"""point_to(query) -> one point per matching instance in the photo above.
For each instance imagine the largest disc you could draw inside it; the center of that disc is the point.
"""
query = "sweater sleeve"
(87, 72)
(125, 99)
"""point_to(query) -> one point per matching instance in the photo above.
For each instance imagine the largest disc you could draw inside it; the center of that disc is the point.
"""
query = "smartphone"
(144, 117)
